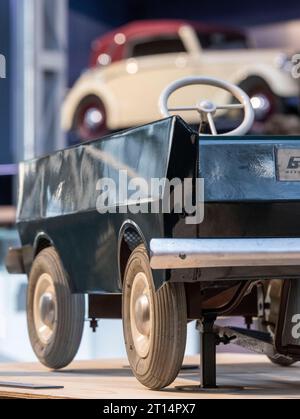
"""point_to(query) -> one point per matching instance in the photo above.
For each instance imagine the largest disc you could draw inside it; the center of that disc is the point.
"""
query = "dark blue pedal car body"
(246, 196)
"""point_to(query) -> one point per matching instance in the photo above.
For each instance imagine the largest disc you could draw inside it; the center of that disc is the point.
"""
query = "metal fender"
(89, 84)
(281, 82)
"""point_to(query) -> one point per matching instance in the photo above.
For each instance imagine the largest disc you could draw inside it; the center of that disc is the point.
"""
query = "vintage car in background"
(157, 269)
(131, 65)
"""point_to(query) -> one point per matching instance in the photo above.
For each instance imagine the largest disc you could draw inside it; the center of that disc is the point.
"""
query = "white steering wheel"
(208, 109)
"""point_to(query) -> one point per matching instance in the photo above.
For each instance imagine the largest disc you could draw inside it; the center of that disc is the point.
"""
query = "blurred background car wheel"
(90, 121)
(264, 101)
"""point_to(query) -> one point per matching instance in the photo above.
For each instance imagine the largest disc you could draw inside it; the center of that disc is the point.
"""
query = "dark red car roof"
(147, 28)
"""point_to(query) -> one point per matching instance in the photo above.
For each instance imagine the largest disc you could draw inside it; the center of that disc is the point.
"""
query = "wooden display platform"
(251, 376)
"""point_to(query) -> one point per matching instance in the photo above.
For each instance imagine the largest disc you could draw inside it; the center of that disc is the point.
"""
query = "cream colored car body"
(130, 89)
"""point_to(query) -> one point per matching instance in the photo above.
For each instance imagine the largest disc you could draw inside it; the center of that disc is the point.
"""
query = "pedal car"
(158, 269)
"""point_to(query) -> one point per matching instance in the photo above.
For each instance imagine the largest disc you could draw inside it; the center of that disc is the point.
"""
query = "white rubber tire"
(62, 348)
(160, 367)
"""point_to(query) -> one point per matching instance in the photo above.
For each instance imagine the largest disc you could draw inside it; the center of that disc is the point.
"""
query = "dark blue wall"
(230, 11)
(91, 18)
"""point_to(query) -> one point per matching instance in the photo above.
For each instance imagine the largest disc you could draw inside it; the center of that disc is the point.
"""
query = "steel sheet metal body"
(244, 195)
(58, 197)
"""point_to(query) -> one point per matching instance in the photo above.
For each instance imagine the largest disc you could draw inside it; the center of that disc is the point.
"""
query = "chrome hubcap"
(261, 105)
(45, 308)
(141, 315)
(93, 118)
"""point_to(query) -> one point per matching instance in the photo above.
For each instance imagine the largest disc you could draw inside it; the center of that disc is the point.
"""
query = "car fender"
(129, 224)
(41, 242)
(281, 82)
(89, 84)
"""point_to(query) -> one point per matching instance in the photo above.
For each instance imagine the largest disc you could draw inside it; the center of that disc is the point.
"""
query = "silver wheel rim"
(141, 315)
(93, 118)
(45, 308)
(261, 105)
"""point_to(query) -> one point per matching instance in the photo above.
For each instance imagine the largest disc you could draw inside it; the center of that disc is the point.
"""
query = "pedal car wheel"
(154, 323)
(264, 101)
(55, 316)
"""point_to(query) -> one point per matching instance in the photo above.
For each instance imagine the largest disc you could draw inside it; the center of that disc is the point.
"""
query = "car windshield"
(222, 40)
(155, 46)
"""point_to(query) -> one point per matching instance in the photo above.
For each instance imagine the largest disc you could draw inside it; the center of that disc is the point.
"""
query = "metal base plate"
(29, 386)
(190, 367)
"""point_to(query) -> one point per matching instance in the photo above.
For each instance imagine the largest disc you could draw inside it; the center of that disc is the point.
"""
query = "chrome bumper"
(212, 253)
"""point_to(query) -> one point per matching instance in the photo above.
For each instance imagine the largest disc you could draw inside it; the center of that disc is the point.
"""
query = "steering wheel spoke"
(184, 109)
(212, 124)
(230, 107)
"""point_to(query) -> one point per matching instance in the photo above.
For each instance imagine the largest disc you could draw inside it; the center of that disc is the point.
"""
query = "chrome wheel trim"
(141, 314)
(45, 308)
(261, 104)
(93, 118)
